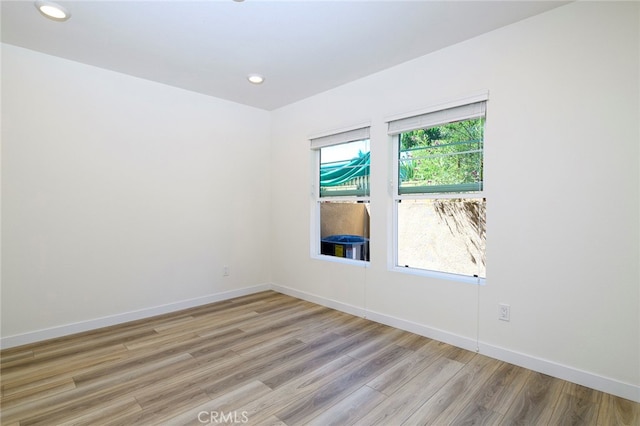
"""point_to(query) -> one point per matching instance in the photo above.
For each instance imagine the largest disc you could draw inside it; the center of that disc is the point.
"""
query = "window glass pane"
(344, 169)
(344, 229)
(446, 158)
(446, 235)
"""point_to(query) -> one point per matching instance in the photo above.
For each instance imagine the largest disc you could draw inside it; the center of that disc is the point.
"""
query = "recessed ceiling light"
(255, 78)
(52, 10)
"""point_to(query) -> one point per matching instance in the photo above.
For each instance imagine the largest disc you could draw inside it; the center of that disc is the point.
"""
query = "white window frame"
(331, 138)
(402, 123)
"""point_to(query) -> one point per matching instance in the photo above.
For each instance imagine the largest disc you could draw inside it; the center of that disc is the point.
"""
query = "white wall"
(121, 195)
(562, 183)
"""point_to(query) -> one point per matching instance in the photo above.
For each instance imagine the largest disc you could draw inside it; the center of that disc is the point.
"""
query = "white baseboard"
(329, 303)
(570, 374)
(79, 327)
(564, 372)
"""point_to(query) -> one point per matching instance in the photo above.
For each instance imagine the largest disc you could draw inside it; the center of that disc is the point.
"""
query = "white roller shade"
(341, 137)
(435, 118)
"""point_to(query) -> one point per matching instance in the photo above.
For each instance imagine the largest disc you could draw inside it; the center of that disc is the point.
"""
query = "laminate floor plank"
(306, 363)
(272, 359)
(15, 355)
(499, 392)
(103, 412)
(411, 367)
(582, 392)
(263, 296)
(298, 317)
(454, 395)
(618, 411)
(305, 409)
(287, 303)
(534, 405)
(56, 408)
(134, 364)
(333, 322)
(232, 401)
(222, 409)
(385, 337)
(350, 409)
(189, 413)
(413, 342)
(272, 421)
(36, 372)
(339, 346)
(207, 321)
(158, 395)
(407, 399)
(402, 372)
(37, 390)
(476, 414)
(261, 340)
(264, 324)
(43, 355)
(236, 368)
(211, 325)
(572, 410)
(294, 390)
(112, 384)
(254, 368)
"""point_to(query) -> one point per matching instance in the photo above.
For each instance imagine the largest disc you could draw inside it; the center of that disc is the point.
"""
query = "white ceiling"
(301, 47)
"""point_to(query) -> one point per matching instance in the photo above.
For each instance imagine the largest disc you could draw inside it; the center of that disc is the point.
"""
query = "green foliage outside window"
(446, 158)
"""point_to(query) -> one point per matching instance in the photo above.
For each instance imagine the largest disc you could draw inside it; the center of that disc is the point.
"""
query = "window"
(440, 208)
(341, 202)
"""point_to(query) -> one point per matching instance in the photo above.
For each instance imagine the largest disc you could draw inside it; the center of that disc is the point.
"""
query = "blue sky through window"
(344, 152)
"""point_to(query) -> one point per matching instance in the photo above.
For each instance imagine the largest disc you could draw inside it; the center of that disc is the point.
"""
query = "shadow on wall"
(443, 235)
(344, 219)
(466, 218)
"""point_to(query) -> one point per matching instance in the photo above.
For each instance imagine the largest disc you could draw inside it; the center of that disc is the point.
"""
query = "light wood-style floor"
(270, 359)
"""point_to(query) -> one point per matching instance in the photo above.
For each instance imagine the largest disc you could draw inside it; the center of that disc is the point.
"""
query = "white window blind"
(341, 137)
(431, 119)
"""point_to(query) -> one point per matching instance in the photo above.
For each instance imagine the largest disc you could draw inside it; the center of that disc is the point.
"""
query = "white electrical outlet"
(225, 271)
(504, 312)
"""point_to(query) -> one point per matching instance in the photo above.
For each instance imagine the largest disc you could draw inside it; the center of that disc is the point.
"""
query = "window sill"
(343, 260)
(439, 275)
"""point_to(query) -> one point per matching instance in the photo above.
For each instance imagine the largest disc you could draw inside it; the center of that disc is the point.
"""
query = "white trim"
(432, 333)
(314, 229)
(439, 275)
(480, 96)
(560, 371)
(346, 198)
(329, 303)
(79, 327)
(564, 372)
(339, 130)
(440, 196)
(345, 260)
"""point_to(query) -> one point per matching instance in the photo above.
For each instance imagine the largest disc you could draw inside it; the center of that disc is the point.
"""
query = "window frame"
(394, 138)
(347, 135)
